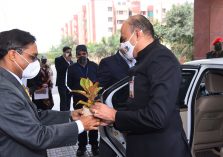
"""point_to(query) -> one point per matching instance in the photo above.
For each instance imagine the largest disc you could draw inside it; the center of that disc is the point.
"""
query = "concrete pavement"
(69, 151)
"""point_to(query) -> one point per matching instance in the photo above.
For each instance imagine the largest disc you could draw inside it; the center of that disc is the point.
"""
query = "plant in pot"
(90, 91)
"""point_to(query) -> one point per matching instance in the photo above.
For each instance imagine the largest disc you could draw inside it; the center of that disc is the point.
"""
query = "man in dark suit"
(84, 68)
(111, 70)
(24, 131)
(217, 52)
(114, 68)
(152, 120)
(61, 64)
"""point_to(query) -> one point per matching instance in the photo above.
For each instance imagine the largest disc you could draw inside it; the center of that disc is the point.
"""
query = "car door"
(116, 97)
(206, 107)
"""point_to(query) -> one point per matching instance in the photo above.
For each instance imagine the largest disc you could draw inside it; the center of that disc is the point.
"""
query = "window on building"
(120, 12)
(120, 21)
(109, 19)
(150, 14)
(123, 3)
(119, 3)
(143, 12)
(163, 10)
(109, 8)
(110, 29)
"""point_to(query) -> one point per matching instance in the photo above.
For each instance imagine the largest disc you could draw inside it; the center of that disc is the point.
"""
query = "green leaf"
(84, 103)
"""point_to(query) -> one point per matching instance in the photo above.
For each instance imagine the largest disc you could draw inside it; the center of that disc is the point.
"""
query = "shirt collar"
(130, 63)
(66, 60)
(142, 54)
(17, 78)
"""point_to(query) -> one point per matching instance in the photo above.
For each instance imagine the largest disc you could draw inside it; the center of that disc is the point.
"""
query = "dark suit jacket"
(24, 132)
(152, 121)
(75, 72)
(111, 70)
(61, 66)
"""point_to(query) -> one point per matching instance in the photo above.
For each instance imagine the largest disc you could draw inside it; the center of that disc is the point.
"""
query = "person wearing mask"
(61, 64)
(111, 70)
(151, 120)
(25, 131)
(40, 87)
(84, 68)
(114, 68)
(217, 52)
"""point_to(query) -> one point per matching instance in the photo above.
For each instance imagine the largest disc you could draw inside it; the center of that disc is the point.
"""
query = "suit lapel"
(8, 76)
(64, 61)
(122, 62)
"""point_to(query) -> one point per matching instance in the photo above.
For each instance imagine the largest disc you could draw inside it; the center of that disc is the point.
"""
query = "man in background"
(114, 68)
(84, 68)
(217, 52)
(111, 70)
(61, 64)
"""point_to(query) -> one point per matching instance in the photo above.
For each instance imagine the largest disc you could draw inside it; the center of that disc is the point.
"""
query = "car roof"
(213, 61)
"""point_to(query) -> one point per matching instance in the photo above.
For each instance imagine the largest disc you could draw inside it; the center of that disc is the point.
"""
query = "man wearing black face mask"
(84, 68)
(217, 52)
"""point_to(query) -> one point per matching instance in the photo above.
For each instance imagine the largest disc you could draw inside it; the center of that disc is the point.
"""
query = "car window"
(120, 98)
(187, 76)
(202, 91)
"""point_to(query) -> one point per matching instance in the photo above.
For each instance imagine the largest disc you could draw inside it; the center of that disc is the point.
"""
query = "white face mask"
(128, 48)
(31, 70)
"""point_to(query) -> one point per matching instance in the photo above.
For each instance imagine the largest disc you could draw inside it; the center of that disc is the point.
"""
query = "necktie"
(27, 91)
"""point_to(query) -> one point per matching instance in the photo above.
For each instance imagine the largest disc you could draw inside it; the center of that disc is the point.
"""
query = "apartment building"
(102, 18)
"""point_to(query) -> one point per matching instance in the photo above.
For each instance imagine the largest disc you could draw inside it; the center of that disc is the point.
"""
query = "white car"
(201, 101)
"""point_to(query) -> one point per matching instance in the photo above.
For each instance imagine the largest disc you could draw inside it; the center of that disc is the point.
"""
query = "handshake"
(102, 115)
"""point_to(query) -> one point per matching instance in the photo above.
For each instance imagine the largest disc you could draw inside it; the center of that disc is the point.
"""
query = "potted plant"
(90, 91)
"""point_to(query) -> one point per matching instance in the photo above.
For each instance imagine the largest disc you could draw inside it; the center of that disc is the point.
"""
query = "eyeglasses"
(32, 57)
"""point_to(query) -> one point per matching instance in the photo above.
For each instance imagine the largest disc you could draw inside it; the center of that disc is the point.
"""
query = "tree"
(178, 29)
(108, 46)
(56, 51)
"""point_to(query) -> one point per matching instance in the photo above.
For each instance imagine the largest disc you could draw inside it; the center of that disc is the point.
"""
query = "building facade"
(102, 18)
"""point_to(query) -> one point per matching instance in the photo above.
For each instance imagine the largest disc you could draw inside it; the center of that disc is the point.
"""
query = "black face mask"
(218, 46)
(82, 60)
(43, 61)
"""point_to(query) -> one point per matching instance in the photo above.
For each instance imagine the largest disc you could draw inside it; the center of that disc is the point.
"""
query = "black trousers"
(84, 136)
(65, 98)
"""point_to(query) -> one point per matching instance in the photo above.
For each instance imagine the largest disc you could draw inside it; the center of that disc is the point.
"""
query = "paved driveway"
(69, 151)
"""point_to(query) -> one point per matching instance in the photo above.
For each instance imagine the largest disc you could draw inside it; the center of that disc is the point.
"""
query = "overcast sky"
(42, 18)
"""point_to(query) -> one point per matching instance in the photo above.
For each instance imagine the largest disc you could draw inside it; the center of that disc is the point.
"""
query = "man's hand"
(90, 122)
(76, 114)
(105, 123)
(104, 112)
